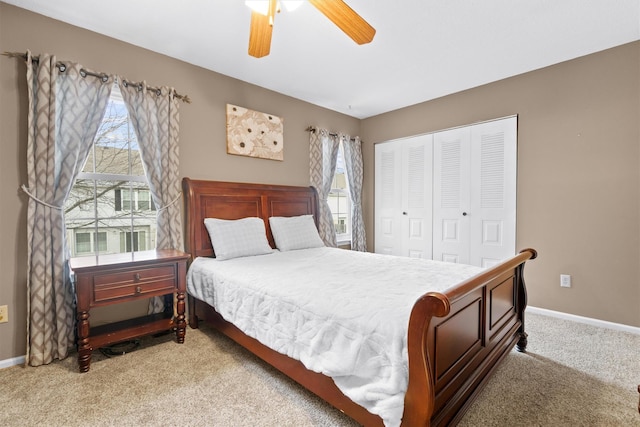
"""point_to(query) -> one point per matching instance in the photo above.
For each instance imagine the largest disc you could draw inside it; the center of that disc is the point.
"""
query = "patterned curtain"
(353, 164)
(154, 116)
(65, 110)
(323, 156)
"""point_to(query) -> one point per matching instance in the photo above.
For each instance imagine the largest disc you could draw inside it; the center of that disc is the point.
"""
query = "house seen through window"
(110, 209)
(340, 202)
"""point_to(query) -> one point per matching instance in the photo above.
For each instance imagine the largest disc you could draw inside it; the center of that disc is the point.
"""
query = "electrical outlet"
(565, 280)
(4, 313)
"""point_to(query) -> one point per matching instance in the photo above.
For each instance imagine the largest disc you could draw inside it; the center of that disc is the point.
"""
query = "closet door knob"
(464, 214)
(404, 213)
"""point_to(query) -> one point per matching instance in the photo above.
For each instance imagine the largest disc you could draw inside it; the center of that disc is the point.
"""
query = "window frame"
(341, 238)
(99, 208)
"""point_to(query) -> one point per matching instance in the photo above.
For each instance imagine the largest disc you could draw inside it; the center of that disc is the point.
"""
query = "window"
(110, 209)
(83, 242)
(136, 199)
(133, 242)
(340, 201)
(90, 242)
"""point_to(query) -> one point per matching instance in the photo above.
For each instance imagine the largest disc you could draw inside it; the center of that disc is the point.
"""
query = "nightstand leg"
(84, 348)
(180, 321)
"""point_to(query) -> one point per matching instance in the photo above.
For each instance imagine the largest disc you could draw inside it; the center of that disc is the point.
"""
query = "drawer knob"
(137, 277)
(138, 290)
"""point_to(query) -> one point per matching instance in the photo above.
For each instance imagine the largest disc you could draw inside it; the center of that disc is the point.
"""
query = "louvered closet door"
(416, 197)
(403, 195)
(388, 199)
(450, 195)
(493, 192)
(451, 201)
(474, 216)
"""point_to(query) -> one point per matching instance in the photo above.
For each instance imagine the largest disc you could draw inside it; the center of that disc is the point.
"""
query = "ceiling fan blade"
(346, 19)
(261, 30)
(259, 35)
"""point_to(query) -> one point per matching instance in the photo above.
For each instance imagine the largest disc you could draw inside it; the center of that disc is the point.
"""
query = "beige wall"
(578, 182)
(202, 131)
(578, 174)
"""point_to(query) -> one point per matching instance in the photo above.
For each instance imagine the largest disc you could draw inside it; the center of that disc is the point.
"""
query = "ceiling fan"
(336, 10)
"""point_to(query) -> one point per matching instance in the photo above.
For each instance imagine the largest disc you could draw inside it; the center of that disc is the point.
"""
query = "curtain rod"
(61, 66)
(313, 129)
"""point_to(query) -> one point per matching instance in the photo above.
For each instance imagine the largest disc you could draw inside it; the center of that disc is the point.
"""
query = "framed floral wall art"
(254, 134)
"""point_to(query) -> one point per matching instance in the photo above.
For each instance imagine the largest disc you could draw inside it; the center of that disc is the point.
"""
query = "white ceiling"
(423, 49)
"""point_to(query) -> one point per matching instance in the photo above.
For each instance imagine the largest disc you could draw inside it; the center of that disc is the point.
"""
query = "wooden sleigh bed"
(456, 339)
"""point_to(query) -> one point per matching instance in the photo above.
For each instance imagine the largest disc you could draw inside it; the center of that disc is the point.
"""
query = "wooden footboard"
(455, 339)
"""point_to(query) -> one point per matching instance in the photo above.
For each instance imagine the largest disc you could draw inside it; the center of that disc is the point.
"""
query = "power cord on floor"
(120, 349)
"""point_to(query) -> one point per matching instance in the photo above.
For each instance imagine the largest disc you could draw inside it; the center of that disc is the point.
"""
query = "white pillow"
(237, 238)
(295, 232)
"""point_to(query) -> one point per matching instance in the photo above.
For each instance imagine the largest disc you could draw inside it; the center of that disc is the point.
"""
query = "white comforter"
(341, 313)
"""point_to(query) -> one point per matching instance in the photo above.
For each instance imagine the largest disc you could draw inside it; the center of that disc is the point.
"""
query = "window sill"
(344, 244)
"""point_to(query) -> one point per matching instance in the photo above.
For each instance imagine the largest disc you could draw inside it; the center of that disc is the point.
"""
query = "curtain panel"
(65, 111)
(155, 117)
(323, 157)
(353, 164)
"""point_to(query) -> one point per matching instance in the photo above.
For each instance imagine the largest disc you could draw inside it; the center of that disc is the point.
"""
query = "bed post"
(420, 396)
(193, 318)
(521, 345)
(189, 244)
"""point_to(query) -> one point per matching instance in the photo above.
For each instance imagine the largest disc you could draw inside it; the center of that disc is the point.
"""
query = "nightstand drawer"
(133, 283)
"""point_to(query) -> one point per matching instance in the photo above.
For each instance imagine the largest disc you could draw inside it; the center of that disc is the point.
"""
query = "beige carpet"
(572, 375)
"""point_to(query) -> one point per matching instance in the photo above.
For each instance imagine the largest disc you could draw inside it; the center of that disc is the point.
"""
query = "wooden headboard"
(234, 200)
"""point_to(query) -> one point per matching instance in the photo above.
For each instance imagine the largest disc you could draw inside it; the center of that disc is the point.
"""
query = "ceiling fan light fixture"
(337, 11)
(262, 6)
(292, 5)
(258, 6)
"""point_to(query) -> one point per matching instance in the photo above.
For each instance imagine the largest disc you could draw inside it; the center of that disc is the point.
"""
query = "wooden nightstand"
(117, 278)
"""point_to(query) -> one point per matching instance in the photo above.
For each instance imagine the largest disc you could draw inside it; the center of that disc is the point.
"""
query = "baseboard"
(11, 362)
(587, 320)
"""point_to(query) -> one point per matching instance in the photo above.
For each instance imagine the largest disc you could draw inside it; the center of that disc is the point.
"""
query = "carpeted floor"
(572, 375)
